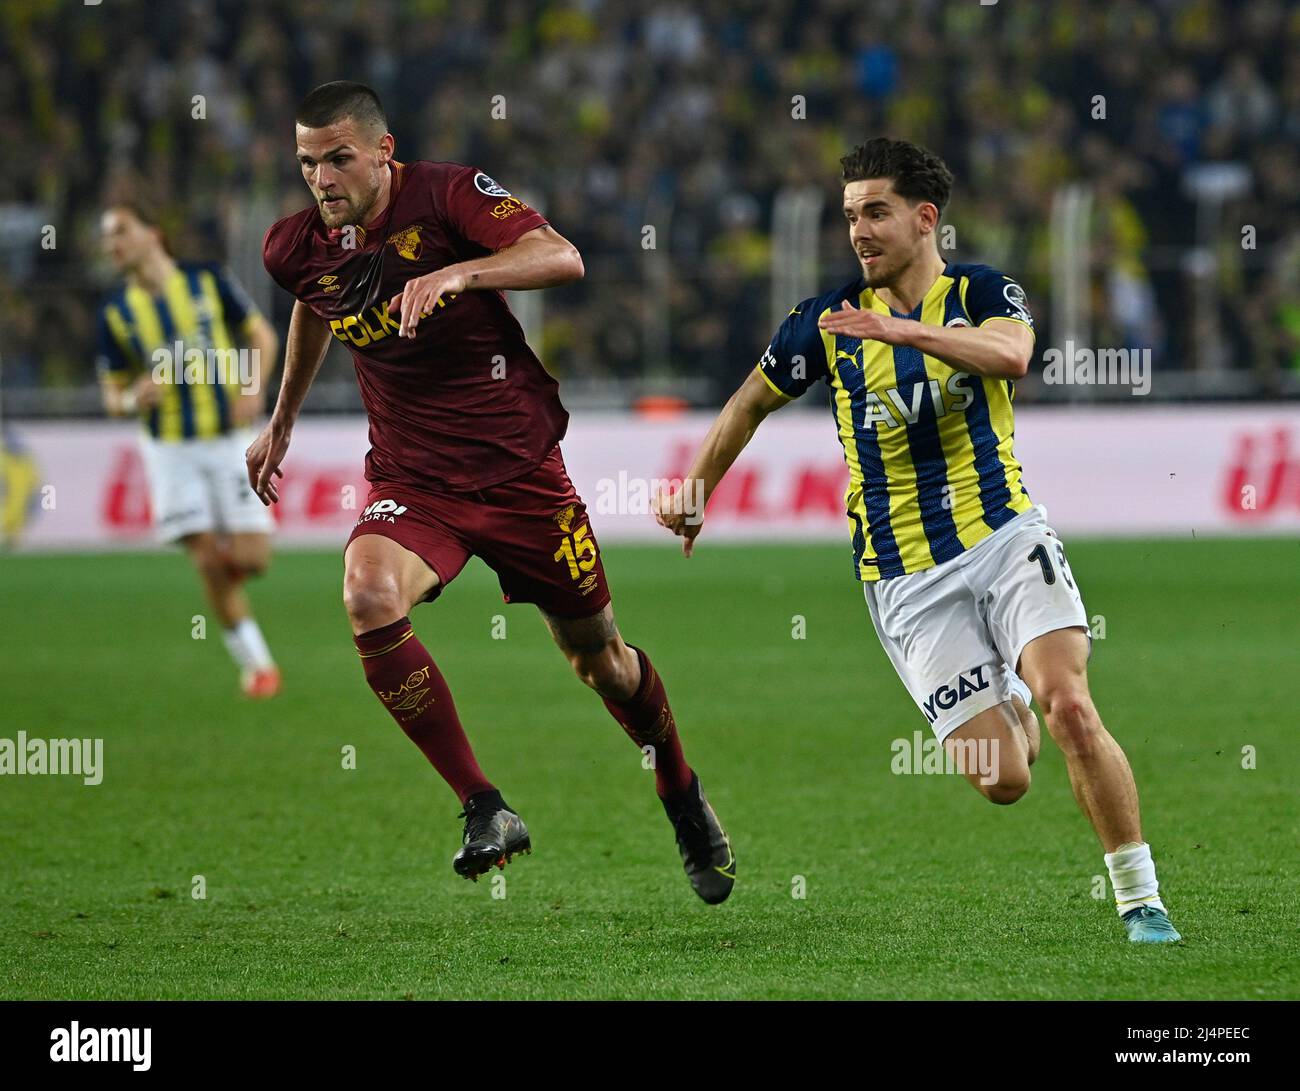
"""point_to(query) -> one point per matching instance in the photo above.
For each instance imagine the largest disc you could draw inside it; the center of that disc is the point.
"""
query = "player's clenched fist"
(674, 511)
(263, 459)
(418, 298)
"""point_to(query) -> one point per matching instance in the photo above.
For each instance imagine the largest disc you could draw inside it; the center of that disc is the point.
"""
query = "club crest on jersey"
(407, 242)
(968, 682)
(329, 283)
(486, 185)
(564, 517)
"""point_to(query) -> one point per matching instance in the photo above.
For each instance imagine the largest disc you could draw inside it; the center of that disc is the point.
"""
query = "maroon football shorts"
(533, 532)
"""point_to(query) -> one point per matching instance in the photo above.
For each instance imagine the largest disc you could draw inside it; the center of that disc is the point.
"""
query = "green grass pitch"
(327, 882)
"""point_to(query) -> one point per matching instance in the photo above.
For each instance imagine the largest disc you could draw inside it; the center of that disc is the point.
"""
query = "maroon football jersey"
(465, 403)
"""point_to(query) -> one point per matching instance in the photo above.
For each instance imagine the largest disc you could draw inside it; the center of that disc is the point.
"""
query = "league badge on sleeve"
(1015, 295)
(486, 185)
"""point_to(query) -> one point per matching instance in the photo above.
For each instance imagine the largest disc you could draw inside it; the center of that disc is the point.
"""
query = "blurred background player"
(197, 421)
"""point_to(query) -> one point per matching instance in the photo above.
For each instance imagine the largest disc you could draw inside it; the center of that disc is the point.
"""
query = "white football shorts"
(955, 632)
(198, 485)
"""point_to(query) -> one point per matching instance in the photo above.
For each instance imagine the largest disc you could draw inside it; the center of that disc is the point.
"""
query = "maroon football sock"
(648, 721)
(406, 679)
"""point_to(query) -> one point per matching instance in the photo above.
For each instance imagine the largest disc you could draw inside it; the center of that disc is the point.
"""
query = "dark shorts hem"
(568, 609)
(532, 531)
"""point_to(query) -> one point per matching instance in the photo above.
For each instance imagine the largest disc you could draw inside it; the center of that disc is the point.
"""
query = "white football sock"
(1133, 875)
(247, 646)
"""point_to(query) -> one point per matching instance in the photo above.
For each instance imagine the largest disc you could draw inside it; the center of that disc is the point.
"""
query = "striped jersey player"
(182, 346)
(928, 446)
(966, 583)
(404, 264)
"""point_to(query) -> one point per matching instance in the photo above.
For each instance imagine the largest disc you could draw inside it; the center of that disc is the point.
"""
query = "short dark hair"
(332, 102)
(917, 173)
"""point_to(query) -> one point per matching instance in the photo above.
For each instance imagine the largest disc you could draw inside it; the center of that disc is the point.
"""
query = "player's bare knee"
(1006, 790)
(254, 562)
(1005, 778)
(1072, 719)
(210, 563)
(209, 566)
(371, 600)
(1008, 780)
(252, 567)
(603, 671)
(588, 668)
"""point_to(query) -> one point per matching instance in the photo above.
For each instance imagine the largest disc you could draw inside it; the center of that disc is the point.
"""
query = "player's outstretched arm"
(1001, 348)
(682, 512)
(304, 349)
(541, 258)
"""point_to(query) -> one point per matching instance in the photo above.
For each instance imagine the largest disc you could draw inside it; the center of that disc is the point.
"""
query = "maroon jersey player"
(405, 263)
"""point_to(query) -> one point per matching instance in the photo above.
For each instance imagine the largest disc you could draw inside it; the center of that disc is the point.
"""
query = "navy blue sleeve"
(991, 294)
(796, 358)
(110, 359)
(235, 302)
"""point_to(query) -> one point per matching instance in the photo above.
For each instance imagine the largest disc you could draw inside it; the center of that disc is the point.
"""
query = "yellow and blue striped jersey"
(928, 447)
(201, 307)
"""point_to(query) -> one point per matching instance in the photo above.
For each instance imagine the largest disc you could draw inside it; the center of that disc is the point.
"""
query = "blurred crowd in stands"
(689, 116)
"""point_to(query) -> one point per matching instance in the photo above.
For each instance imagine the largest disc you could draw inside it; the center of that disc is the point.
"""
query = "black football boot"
(493, 834)
(706, 853)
